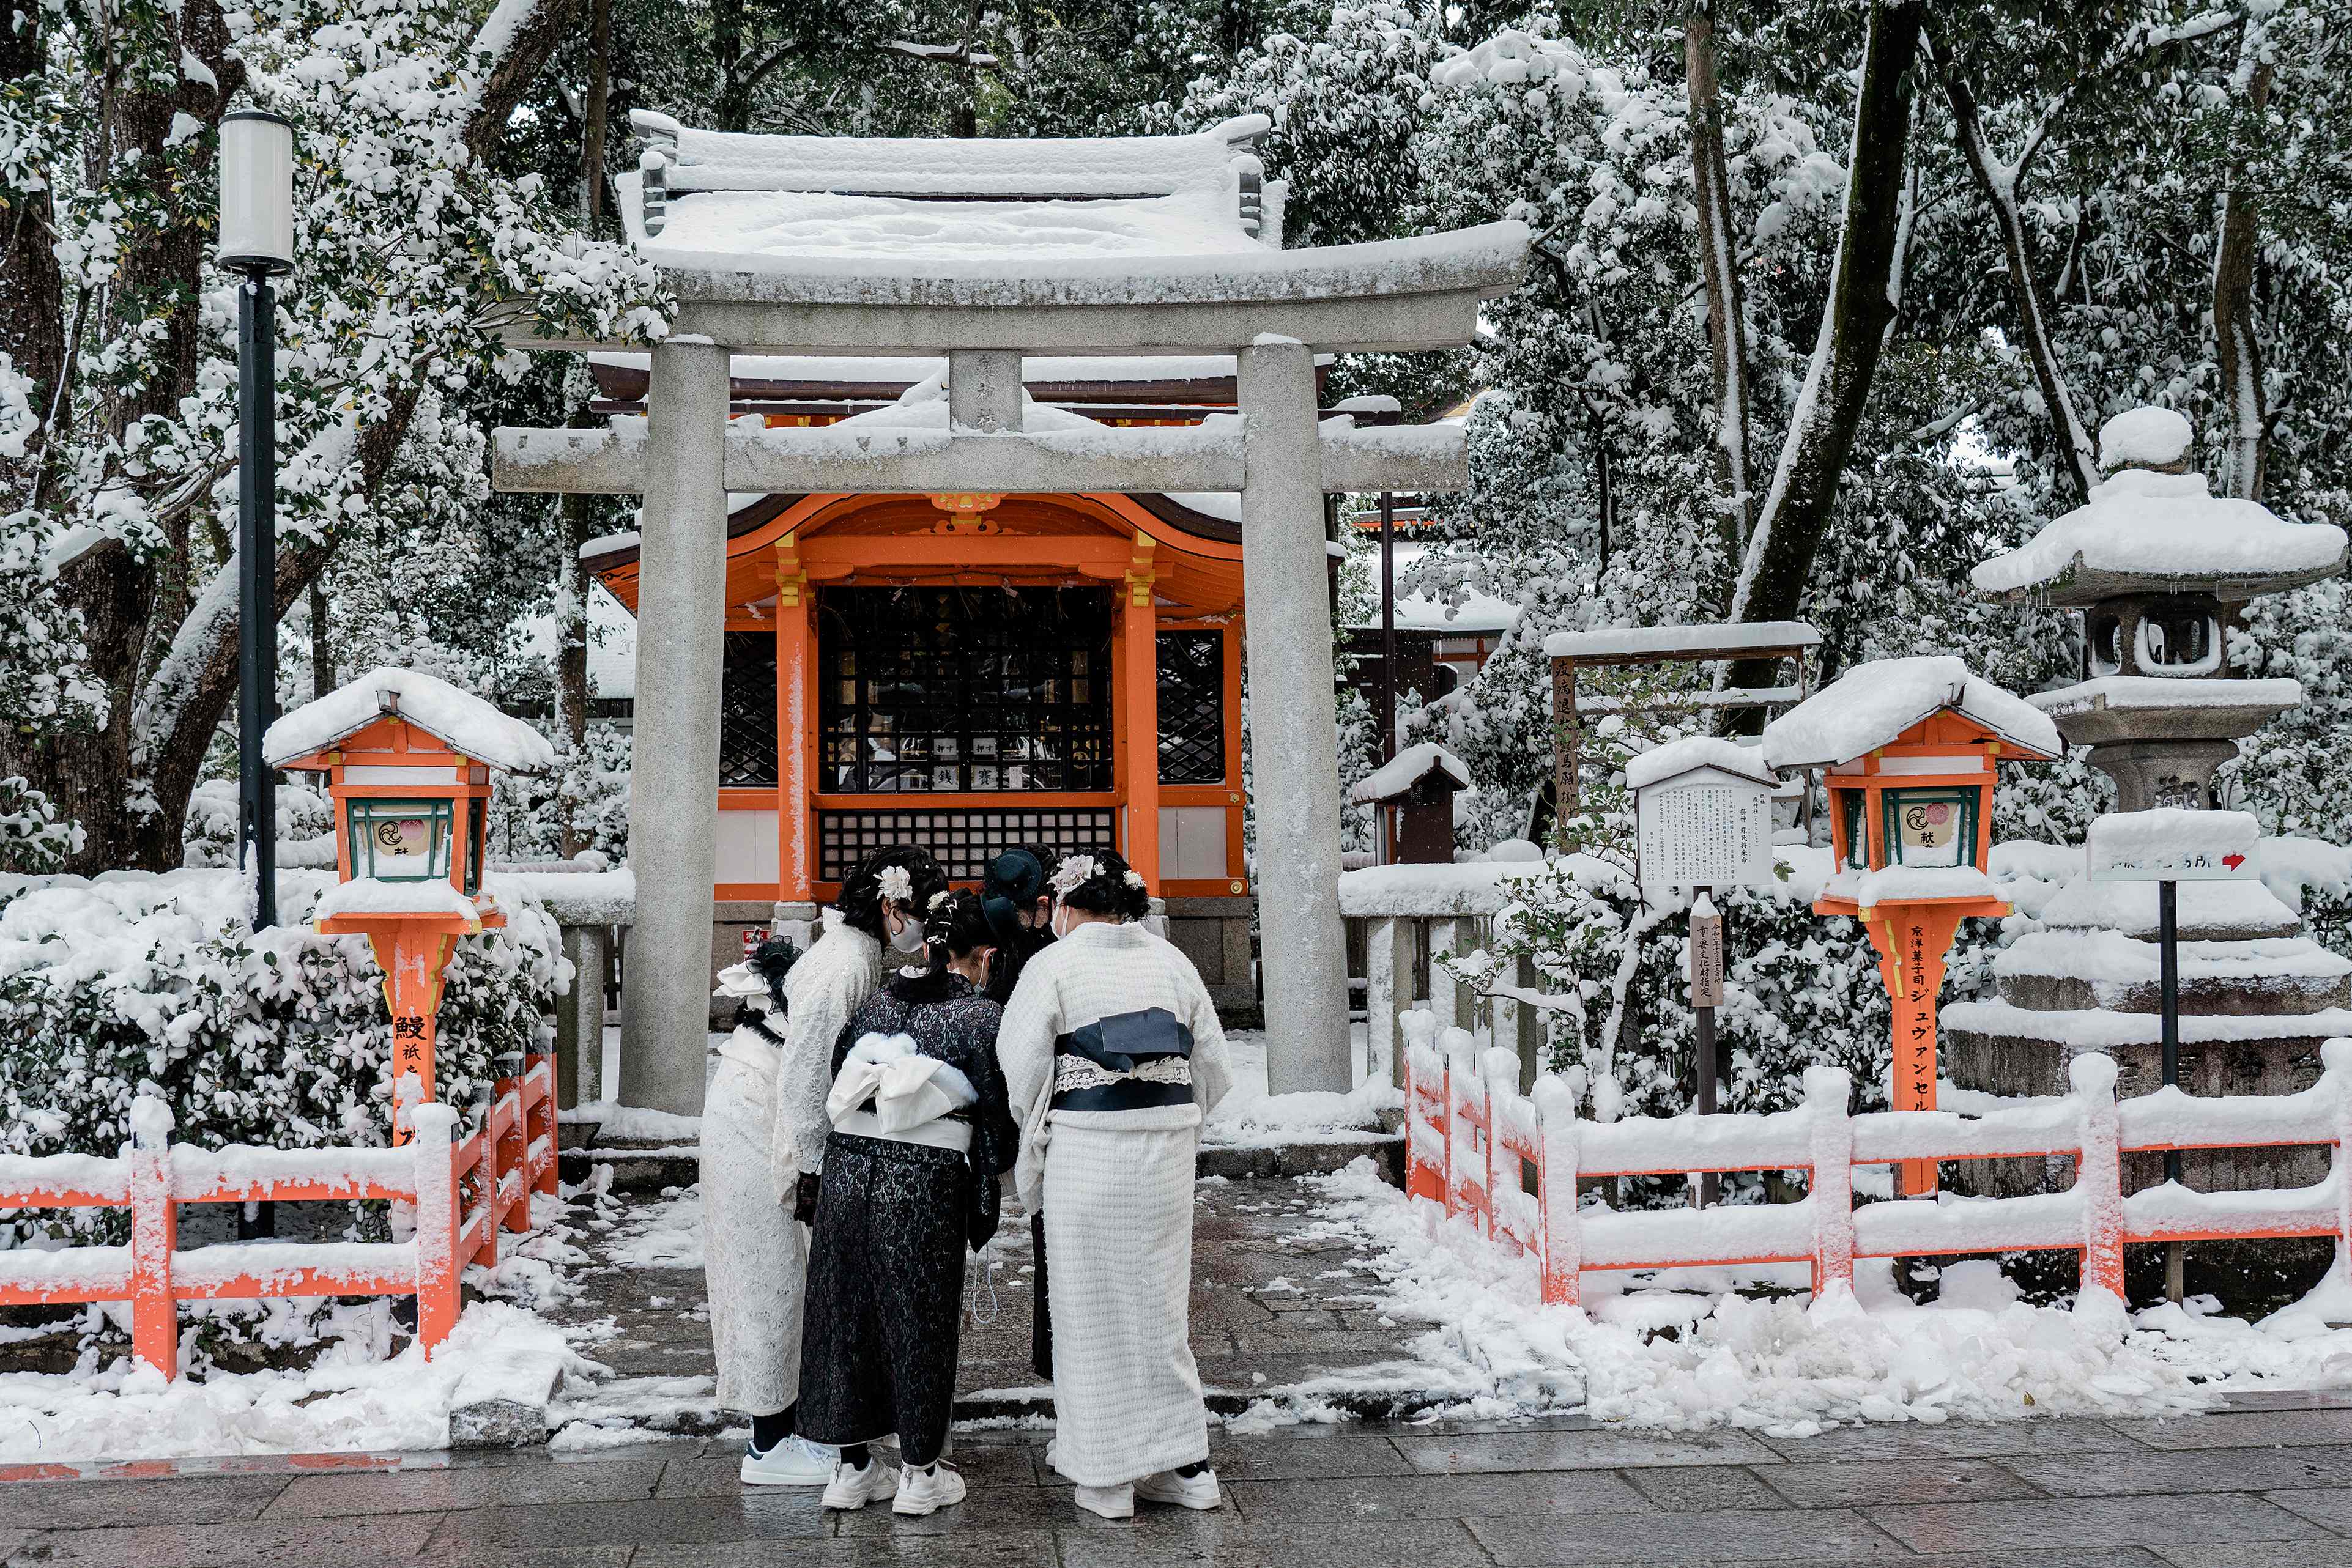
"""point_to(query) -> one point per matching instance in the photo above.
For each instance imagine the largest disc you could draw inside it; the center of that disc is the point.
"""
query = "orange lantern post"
(408, 759)
(1911, 746)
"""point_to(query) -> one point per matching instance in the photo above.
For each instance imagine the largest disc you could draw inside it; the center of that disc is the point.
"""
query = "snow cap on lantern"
(1910, 746)
(408, 759)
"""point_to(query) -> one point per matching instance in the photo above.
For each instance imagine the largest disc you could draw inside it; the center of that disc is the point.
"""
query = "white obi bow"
(907, 1088)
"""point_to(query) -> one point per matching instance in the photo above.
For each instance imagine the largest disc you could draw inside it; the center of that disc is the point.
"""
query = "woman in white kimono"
(764, 1130)
(1112, 1054)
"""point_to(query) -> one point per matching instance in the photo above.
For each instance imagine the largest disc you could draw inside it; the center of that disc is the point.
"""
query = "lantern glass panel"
(1931, 827)
(400, 840)
(475, 847)
(1857, 841)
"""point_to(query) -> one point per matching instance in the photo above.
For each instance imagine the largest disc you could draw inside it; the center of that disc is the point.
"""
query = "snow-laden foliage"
(142, 984)
(588, 792)
(411, 251)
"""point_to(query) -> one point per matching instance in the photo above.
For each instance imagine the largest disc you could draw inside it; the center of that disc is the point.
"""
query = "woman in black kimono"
(920, 1132)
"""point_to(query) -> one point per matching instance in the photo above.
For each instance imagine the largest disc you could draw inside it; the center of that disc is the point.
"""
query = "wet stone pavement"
(1278, 1300)
(2237, 1489)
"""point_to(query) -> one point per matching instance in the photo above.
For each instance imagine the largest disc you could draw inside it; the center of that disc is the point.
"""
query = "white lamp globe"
(257, 191)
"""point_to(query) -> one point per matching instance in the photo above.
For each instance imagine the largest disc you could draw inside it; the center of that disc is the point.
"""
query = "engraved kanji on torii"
(1117, 246)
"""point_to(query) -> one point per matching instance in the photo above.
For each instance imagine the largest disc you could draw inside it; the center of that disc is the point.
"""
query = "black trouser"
(885, 1295)
(1041, 1314)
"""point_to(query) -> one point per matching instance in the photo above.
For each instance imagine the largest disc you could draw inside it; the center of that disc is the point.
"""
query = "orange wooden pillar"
(154, 1238)
(1913, 941)
(796, 679)
(1139, 686)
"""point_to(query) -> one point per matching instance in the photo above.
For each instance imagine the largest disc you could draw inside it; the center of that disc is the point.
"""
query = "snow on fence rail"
(1466, 1122)
(464, 1192)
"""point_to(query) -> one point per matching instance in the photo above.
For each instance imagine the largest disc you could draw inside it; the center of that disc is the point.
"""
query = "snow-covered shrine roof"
(1872, 705)
(2147, 532)
(459, 720)
(1408, 767)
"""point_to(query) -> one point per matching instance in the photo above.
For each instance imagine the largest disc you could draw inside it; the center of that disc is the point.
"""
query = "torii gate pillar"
(682, 626)
(1293, 720)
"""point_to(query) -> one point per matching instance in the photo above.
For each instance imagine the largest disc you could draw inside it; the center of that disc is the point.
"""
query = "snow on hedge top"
(2144, 438)
(1696, 751)
(2141, 523)
(460, 720)
(1872, 705)
(1407, 768)
(697, 160)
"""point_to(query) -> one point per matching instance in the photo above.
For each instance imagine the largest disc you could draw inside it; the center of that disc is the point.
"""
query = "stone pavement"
(2245, 1488)
(1276, 1300)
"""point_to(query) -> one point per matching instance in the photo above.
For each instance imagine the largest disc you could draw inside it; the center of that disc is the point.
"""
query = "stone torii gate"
(1273, 310)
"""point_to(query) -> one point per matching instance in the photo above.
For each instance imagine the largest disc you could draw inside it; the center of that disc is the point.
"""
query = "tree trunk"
(591, 136)
(2246, 441)
(2078, 456)
(571, 658)
(732, 109)
(1725, 320)
(322, 653)
(1797, 510)
(168, 656)
(33, 332)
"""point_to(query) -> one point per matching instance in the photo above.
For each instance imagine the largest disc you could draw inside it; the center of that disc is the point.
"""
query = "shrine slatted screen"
(964, 841)
(1192, 707)
(747, 710)
(964, 690)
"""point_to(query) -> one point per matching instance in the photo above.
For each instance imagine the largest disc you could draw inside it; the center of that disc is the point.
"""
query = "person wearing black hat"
(1017, 896)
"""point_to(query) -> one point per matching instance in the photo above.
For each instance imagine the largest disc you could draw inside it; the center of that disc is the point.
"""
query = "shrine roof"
(1872, 705)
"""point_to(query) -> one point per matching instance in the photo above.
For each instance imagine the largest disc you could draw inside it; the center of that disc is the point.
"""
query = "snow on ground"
(1774, 1359)
(1249, 1117)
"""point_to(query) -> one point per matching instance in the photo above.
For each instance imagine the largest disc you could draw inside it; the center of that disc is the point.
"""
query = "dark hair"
(1013, 883)
(1108, 890)
(771, 961)
(861, 895)
(956, 925)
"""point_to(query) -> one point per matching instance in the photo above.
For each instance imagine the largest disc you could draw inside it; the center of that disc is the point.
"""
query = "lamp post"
(256, 242)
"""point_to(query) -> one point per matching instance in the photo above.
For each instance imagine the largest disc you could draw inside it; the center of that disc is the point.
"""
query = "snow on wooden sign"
(1704, 810)
(2171, 844)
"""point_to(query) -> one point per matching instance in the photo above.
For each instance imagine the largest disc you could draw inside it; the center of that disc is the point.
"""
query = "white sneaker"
(927, 1491)
(794, 1462)
(1111, 1502)
(1185, 1491)
(854, 1488)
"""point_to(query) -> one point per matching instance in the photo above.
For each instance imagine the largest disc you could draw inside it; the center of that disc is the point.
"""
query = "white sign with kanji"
(1707, 827)
(2172, 844)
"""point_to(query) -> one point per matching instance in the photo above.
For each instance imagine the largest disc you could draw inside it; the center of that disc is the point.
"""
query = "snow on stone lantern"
(408, 760)
(1420, 783)
(2156, 564)
(1911, 746)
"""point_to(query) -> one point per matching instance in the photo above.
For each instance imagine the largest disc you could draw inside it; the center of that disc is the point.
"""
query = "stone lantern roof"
(2153, 527)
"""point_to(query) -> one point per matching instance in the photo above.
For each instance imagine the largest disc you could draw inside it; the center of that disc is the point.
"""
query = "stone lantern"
(2158, 564)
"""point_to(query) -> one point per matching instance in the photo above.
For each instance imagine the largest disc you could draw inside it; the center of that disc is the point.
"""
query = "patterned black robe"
(893, 1219)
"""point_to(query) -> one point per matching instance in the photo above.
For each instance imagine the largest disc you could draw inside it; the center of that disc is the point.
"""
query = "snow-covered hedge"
(137, 983)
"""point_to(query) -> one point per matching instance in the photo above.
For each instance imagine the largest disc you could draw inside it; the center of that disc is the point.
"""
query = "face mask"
(1061, 922)
(907, 938)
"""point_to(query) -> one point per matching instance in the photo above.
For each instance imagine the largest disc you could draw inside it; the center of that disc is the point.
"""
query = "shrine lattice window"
(964, 690)
(963, 840)
(1192, 707)
(747, 709)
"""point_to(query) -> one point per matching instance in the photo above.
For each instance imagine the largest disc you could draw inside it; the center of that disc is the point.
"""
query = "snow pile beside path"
(635, 1124)
(1249, 1117)
(1789, 1365)
(348, 1402)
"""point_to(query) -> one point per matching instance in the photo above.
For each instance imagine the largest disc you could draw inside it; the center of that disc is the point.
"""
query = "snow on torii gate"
(1185, 260)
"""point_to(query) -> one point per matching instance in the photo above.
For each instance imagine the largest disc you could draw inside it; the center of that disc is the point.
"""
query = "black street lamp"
(256, 242)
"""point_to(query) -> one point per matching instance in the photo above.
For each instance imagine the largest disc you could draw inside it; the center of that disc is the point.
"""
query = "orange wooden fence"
(1474, 1143)
(462, 1191)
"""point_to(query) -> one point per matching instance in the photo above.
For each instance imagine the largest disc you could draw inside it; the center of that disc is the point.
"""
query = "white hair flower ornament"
(1134, 879)
(896, 883)
(1077, 869)
(937, 899)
